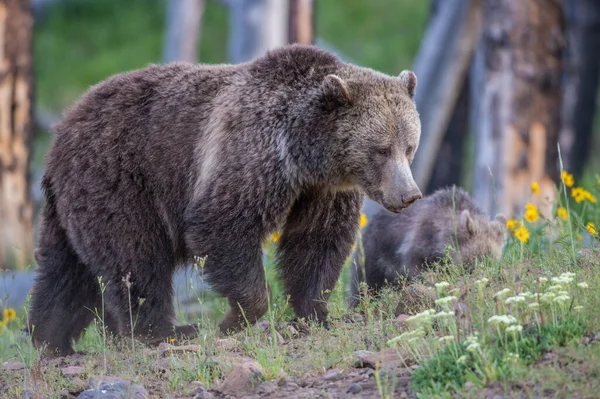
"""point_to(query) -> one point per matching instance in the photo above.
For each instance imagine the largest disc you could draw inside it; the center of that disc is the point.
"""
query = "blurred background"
(500, 83)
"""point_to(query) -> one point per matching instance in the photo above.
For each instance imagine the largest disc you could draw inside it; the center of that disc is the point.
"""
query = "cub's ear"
(501, 219)
(336, 90)
(467, 222)
(409, 80)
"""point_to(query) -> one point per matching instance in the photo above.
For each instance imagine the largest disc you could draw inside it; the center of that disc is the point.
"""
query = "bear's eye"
(384, 151)
(409, 152)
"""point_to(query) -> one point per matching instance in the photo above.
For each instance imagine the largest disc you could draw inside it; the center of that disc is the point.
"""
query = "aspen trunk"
(519, 71)
(184, 23)
(16, 212)
(301, 22)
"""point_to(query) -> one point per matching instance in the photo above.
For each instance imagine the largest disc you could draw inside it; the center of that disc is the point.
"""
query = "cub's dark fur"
(153, 167)
(399, 245)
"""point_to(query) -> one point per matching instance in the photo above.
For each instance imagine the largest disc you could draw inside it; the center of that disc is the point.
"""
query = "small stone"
(292, 331)
(13, 365)
(195, 388)
(469, 385)
(204, 395)
(77, 385)
(292, 385)
(282, 382)
(332, 375)
(114, 390)
(354, 389)
(65, 394)
(226, 344)
(96, 380)
(244, 377)
(262, 326)
(163, 348)
(72, 370)
(278, 337)
(267, 388)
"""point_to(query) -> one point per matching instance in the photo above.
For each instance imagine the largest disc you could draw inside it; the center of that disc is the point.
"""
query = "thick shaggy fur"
(153, 167)
(400, 245)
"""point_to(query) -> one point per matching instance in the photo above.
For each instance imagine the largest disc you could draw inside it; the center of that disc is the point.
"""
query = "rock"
(163, 348)
(415, 297)
(162, 367)
(332, 375)
(282, 382)
(95, 380)
(66, 394)
(262, 326)
(246, 376)
(13, 365)
(78, 385)
(226, 344)
(387, 359)
(278, 338)
(73, 370)
(400, 321)
(354, 389)
(195, 388)
(115, 390)
(266, 388)
(204, 395)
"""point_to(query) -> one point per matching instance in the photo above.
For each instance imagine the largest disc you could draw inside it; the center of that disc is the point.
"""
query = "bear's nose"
(407, 200)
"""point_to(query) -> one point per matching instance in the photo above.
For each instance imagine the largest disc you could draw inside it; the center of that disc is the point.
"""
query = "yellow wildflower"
(522, 234)
(171, 340)
(531, 213)
(275, 236)
(363, 220)
(591, 228)
(562, 213)
(581, 194)
(567, 178)
(8, 315)
(511, 224)
(535, 188)
(579, 237)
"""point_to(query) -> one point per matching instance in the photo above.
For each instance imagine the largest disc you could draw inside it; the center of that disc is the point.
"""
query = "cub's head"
(479, 237)
(376, 129)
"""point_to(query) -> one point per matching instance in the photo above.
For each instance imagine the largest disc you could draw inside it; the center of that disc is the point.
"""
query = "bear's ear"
(409, 80)
(467, 222)
(336, 90)
(501, 219)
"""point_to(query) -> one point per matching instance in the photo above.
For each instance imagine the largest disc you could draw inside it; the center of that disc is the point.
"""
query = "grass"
(540, 299)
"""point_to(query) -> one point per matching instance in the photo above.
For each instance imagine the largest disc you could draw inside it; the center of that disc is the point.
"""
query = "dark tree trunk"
(519, 103)
(16, 129)
(583, 60)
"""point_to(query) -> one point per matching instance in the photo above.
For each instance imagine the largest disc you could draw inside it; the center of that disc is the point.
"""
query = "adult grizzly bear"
(155, 166)
(400, 246)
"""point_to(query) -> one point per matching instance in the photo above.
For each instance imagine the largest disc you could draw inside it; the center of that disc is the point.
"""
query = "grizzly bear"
(151, 168)
(400, 246)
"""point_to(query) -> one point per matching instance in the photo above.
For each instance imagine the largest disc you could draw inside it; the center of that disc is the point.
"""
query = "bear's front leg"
(233, 265)
(316, 240)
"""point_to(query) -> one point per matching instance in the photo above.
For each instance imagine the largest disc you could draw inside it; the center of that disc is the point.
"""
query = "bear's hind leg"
(65, 293)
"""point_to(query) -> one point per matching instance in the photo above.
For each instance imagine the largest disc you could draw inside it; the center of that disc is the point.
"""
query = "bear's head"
(478, 237)
(377, 129)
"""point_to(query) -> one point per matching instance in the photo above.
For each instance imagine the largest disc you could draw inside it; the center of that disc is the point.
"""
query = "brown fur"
(400, 246)
(155, 166)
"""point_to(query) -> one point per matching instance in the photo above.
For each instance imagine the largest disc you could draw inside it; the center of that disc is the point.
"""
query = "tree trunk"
(581, 89)
(184, 19)
(519, 67)
(256, 27)
(16, 93)
(301, 22)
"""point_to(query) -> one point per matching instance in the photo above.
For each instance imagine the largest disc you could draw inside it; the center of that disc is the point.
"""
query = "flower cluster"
(8, 315)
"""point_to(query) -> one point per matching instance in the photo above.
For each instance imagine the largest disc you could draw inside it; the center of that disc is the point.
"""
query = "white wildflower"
(514, 299)
(482, 283)
(542, 279)
(561, 299)
(534, 305)
(514, 328)
(555, 288)
(583, 285)
(559, 293)
(445, 300)
(419, 332)
(473, 347)
(547, 297)
(501, 293)
(447, 338)
(462, 359)
(502, 319)
(423, 316)
(442, 285)
(443, 315)
(578, 308)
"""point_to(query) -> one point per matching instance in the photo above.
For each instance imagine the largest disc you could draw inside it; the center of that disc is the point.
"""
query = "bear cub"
(398, 246)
